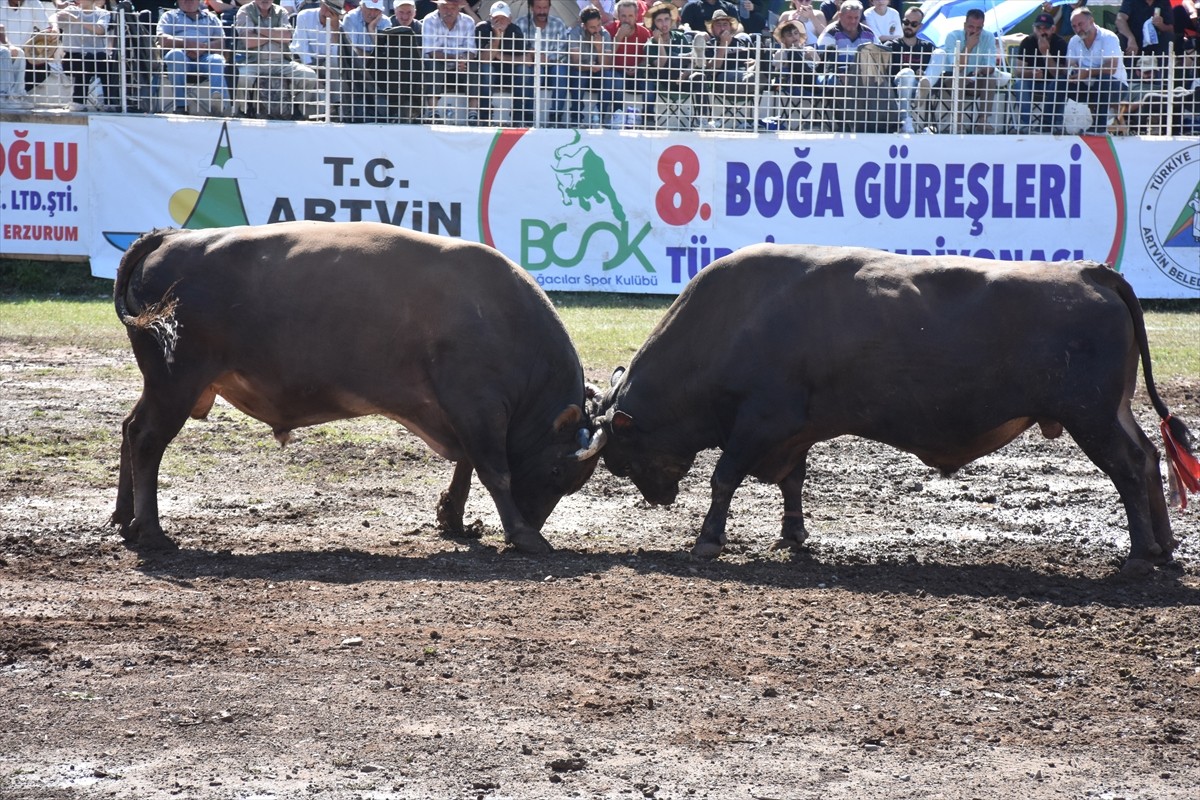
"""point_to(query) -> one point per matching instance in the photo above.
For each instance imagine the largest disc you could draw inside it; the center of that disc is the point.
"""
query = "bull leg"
(454, 500)
(495, 477)
(1160, 517)
(148, 430)
(793, 533)
(726, 478)
(122, 515)
(1119, 454)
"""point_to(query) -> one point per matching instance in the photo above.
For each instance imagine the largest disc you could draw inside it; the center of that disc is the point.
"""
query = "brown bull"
(302, 323)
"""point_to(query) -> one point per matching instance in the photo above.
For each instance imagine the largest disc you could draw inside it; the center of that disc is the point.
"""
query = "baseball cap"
(1043, 21)
(500, 9)
(375, 4)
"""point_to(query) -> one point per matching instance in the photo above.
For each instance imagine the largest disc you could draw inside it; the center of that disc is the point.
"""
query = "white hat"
(375, 4)
(399, 3)
(500, 9)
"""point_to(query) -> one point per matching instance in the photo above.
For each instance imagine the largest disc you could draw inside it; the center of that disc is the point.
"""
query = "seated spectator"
(448, 45)
(911, 59)
(883, 20)
(504, 58)
(668, 53)
(88, 54)
(976, 58)
(794, 64)
(629, 48)
(607, 9)
(1096, 73)
(361, 29)
(399, 63)
(194, 42)
(266, 35)
(1145, 26)
(591, 60)
(1040, 69)
(697, 13)
(552, 69)
(33, 32)
(839, 42)
(1185, 19)
(722, 64)
(805, 13)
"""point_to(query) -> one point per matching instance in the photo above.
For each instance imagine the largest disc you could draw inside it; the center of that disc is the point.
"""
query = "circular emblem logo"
(1169, 217)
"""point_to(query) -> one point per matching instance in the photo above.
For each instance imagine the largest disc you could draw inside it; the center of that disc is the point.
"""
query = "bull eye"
(555, 472)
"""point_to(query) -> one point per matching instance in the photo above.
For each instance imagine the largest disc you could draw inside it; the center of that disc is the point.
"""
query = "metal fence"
(688, 83)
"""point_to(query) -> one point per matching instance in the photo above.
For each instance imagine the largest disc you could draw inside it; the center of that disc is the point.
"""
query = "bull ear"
(622, 422)
(569, 418)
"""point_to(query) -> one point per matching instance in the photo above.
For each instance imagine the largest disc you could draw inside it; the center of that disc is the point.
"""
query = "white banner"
(44, 189)
(630, 212)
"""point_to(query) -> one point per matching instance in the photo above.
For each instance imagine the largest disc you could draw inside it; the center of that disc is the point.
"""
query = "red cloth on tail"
(1182, 464)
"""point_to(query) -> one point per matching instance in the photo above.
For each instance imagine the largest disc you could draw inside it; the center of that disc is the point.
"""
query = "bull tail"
(1177, 439)
(157, 317)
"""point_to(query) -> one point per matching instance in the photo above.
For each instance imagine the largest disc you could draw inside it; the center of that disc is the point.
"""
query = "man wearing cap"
(1096, 73)
(193, 41)
(504, 58)
(448, 45)
(722, 66)
(265, 33)
(668, 53)
(1040, 69)
(552, 63)
(697, 13)
(361, 29)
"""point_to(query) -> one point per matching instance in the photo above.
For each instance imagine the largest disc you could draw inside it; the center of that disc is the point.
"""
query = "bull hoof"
(786, 543)
(1136, 568)
(154, 541)
(125, 528)
(532, 545)
(707, 550)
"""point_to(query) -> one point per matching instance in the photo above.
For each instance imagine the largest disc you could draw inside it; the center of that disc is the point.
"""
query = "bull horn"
(594, 445)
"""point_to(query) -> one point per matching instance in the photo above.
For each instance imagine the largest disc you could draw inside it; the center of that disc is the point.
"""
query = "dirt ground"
(962, 637)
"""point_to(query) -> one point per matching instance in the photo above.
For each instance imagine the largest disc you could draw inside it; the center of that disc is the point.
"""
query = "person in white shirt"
(883, 20)
(20, 22)
(448, 45)
(1096, 73)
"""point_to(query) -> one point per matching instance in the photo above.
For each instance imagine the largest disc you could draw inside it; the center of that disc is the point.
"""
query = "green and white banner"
(644, 212)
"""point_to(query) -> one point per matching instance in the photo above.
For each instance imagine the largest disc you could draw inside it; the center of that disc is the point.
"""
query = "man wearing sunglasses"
(911, 54)
(1041, 59)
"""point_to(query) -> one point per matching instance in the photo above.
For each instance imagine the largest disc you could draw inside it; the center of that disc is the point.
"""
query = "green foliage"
(68, 279)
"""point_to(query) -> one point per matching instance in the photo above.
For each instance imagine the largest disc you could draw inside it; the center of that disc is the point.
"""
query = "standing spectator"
(551, 63)
(361, 30)
(266, 34)
(448, 44)
(504, 58)
(883, 20)
(1040, 68)
(31, 30)
(194, 42)
(697, 13)
(976, 54)
(1146, 26)
(592, 71)
(629, 48)
(811, 17)
(88, 51)
(752, 15)
(668, 53)
(911, 57)
(1096, 73)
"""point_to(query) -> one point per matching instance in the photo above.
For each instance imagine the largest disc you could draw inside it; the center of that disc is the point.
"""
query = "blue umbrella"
(1001, 16)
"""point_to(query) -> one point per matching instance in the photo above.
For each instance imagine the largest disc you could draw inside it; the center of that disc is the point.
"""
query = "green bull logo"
(583, 181)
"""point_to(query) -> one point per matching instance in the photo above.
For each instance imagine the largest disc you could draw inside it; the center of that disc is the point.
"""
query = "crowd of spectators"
(835, 66)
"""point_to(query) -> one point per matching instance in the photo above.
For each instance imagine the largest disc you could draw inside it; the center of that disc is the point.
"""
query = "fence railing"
(687, 83)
